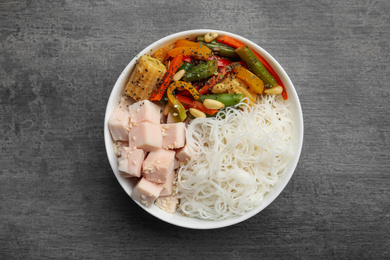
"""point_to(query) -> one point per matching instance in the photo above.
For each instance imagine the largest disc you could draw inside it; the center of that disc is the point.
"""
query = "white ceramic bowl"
(177, 218)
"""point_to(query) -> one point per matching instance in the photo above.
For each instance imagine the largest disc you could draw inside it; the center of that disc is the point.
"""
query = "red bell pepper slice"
(187, 59)
(174, 65)
(190, 103)
(221, 61)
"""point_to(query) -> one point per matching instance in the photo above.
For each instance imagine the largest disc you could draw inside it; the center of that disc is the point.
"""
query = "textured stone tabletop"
(58, 196)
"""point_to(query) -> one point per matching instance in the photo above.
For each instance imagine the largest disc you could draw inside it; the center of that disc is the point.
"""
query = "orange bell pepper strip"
(254, 82)
(195, 52)
(182, 85)
(186, 43)
(162, 53)
(189, 48)
(230, 41)
(160, 90)
(237, 44)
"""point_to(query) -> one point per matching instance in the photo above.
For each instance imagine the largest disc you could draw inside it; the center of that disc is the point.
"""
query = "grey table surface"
(58, 63)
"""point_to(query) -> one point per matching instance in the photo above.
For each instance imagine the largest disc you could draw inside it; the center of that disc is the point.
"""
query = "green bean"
(186, 66)
(202, 71)
(226, 99)
(256, 66)
(219, 48)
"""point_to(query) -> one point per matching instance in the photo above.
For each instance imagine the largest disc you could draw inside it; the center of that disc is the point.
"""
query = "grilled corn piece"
(238, 86)
(146, 75)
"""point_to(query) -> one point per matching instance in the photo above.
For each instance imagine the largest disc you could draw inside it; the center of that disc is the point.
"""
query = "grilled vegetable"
(219, 48)
(225, 39)
(160, 90)
(216, 78)
(162, 53)
(186, 66)
(201, 71)
(189, 103)
(181, 85)
(237, 44)
(189, 48)
(254, 82)
(237, 86)
(226, 99)
(247, 55)
(180, 114)
(146, 75)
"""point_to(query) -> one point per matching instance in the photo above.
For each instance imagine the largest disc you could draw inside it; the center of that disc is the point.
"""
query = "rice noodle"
(239, 158)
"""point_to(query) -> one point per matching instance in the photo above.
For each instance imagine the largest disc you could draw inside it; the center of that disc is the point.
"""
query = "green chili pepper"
(219, 48)
(226, 99)
(201, 71)
(256, 66)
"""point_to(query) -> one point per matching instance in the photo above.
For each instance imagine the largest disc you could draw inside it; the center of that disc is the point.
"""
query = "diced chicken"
(168, 184)
(130, 163)
(158, 165)
(145, 136)
(144, 111)
(167, 203)
(146, 192)
(118, 147)
(118, 124)
(174, 135)
(170, 119)
(176, 164)
(184, 154)
(125, 102)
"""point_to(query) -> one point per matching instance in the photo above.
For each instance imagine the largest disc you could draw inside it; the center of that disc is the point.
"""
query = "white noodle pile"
(239, 157)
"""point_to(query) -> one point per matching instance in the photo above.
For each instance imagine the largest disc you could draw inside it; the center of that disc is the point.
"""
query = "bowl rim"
(198, 223)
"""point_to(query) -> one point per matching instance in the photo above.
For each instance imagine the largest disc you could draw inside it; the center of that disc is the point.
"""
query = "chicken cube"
(174, 135)
(118, 124)
(145, 111)
(125, 102)
(118, 147)
(130, 162)
(158, 165)
(168, 184)
(146, 192)
(145, 136)
(176, 164)
(170, 119)
(184, 154)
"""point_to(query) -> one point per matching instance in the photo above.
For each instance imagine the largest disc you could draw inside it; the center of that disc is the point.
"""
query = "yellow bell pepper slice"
(254, 82)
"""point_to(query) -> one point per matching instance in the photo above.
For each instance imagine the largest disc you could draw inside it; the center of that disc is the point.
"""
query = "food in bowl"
(233, 128)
